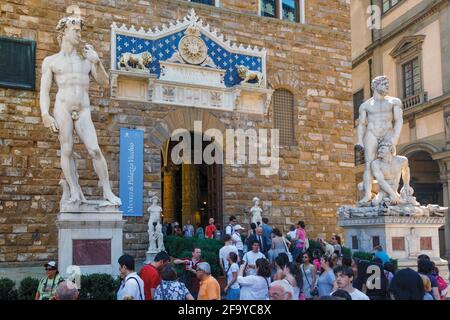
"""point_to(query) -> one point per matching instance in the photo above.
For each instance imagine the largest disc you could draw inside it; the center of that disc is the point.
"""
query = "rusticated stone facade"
(311, 60)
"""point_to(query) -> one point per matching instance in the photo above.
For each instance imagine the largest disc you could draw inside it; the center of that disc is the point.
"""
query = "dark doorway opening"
(191, 192)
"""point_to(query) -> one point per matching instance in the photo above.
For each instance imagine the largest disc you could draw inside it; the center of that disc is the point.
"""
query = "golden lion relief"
(249, 75)
(133, 61)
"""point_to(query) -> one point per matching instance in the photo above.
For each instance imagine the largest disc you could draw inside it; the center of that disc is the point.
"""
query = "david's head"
(381, 85)
(69, 29)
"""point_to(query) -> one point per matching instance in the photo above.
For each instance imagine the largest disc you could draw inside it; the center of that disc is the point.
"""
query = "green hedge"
(179, 247)
(8, 289)
(362, 255)
(28, 288)
(98, 286)
(346, 252)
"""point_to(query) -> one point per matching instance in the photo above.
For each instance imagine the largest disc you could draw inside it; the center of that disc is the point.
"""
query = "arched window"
(283, 115)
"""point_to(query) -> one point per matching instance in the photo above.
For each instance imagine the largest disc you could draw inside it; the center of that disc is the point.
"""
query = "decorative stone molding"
(418, 146)
(192, 66)
(391, 220)
(283, 79)
(191, 20)
(406, 45)
(183, 118)
(192, 75)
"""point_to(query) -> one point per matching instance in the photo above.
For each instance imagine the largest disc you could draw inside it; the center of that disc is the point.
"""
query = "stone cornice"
(385, 220)
(431, 9)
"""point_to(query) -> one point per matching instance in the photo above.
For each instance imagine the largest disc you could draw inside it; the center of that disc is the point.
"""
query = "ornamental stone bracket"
(188, 64)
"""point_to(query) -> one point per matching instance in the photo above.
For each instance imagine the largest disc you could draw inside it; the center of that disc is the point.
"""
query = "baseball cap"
(204, 266)
(51, 264)
(238, 227)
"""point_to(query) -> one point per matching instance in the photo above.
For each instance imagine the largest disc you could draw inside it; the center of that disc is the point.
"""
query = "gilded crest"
(192, 48)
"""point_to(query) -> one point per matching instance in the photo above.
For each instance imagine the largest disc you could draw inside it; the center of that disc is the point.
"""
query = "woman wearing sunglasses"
(49, 284)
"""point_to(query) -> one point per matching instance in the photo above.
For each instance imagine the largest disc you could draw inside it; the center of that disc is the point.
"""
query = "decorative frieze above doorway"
(187, 64)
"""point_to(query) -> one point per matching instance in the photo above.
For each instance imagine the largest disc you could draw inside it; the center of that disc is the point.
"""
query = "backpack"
(442, 286)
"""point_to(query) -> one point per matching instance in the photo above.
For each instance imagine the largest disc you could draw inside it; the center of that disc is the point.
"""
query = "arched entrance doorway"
(190, 191)
(425, 178)
(426, 182)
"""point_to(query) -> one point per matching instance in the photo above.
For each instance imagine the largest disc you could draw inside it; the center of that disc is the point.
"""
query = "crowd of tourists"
(266, 265)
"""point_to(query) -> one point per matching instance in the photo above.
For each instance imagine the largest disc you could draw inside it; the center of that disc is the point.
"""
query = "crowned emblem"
(192, 48)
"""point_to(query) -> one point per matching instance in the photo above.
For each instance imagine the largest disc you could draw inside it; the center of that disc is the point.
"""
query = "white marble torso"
(256, 215)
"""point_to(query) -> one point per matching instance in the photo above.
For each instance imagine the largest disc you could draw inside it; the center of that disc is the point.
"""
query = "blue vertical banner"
(132, 171)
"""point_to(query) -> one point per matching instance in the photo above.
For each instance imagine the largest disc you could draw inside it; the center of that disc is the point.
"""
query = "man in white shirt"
(251, 257)
(237, 240)
(225, 251)
(132, 286)
(344, 278)
(230, 228)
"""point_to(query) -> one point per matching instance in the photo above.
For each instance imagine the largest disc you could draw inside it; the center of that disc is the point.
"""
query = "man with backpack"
(229, 229)
(132, 286)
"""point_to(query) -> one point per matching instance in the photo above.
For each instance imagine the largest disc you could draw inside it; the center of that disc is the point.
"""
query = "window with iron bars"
(283, 114)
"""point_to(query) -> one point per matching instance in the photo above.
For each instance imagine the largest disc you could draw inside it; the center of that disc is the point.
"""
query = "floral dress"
(171, 290)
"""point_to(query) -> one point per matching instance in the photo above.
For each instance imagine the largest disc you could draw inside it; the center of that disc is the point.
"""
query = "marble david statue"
(71, 72)
(380, 118)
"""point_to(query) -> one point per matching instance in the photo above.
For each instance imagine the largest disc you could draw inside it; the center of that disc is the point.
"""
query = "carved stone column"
(169, 187)
(190, 192)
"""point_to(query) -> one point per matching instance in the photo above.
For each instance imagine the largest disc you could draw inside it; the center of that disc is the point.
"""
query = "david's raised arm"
(98, 71)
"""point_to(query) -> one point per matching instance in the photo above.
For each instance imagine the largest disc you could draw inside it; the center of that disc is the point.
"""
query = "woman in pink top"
(300, 236)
